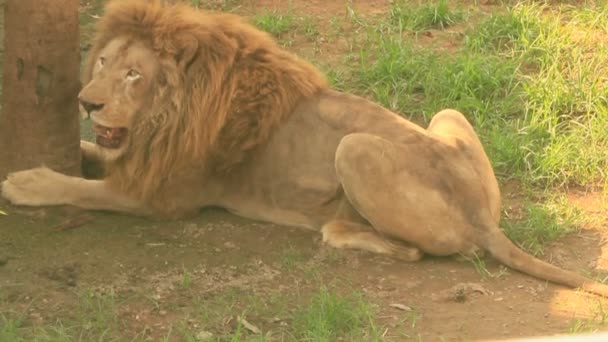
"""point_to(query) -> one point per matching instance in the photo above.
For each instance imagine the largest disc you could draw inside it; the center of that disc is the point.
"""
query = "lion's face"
(121, 87)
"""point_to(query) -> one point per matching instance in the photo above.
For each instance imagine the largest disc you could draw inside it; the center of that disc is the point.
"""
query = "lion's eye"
(102, 61)
(133, 74)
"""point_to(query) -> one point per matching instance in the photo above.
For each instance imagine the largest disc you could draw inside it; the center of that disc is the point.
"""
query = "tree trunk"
(39, 124)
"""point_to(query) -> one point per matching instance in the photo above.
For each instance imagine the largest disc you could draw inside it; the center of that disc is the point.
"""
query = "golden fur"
(251, 86)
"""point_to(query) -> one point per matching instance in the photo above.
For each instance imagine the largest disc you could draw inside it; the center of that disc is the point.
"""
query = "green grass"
(97, 313)
(187, 278)
(531, 78)
(88, 17)
(542, 223)
(14, 330)
(507, 33)
(325, 316)
(309, 28)
(561, 130)
(330, 316)
(94, 319)
(274, 22)
(410, 79)
(289, 258)
(9, 329)
(597, 321)
(221, 5)
(426, 16)
(480, 265)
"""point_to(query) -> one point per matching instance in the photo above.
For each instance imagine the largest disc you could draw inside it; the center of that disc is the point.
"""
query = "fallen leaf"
(204, 336)
(400, 307)
(3, 213)
(248, 325)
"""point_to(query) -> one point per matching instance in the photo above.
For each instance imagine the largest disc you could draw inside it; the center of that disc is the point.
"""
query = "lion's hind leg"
(351, 235)
(408, 191)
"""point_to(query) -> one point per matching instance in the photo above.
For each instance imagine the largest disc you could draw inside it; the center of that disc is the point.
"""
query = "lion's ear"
(187, 52)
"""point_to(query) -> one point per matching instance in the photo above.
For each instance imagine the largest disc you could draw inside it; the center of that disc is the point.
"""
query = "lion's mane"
(225, 87)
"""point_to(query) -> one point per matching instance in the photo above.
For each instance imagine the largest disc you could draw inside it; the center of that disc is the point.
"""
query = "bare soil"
(142, 264)
(162, 274)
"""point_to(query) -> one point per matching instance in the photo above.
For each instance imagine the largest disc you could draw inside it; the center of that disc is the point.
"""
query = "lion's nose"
(91, 106)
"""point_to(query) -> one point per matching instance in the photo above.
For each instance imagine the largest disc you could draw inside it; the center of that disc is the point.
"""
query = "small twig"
(73, 222)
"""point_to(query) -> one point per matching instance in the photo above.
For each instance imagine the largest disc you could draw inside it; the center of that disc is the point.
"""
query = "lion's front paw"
(40, 186)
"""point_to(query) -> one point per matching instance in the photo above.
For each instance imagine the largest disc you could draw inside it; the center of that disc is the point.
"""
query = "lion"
(194, 109)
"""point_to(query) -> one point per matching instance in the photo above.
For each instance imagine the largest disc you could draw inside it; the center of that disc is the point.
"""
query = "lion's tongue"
(109, 137)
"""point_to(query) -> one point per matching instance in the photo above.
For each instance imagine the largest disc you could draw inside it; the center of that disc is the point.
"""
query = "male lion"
(194, 109)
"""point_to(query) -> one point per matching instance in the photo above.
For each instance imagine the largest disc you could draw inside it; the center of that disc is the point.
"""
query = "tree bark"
(39, 124)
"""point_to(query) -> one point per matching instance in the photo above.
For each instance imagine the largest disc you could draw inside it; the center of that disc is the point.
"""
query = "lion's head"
(174, 90)
(123, 84)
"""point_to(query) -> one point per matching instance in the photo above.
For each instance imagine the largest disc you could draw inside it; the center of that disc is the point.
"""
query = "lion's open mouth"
(110, 137)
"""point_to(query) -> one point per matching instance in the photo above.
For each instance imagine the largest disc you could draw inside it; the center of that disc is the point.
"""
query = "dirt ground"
(143, 265)
(161, 274)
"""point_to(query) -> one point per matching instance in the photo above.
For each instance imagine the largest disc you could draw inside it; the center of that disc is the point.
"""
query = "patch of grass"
(595, 323)
(542, 223)
(532, 79)
(330, 316)
(186, 281)
(274, 23)
(213, 312)
(56, 332)
(89, 12)
(337, 78)
(289, 258)
(481, 268)
(9, 329)
(594, 16)
(222, 5)
(309, 27)
(563, 85)
(426, 16)
(97, 315)
(336, 27)
(13, 330)
(508, 32)
(480, 265)
(411, 80)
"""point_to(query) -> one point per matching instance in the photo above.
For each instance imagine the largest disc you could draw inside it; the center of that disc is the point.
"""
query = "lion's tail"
(496, 242)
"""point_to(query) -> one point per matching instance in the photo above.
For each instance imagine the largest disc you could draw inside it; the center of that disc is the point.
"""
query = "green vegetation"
(325, 316)
(531, 78)
(94, 319)
(543, 222)
(421, 17)
(9, 329)
(274, 23)
(596, 321)
(329, 316)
